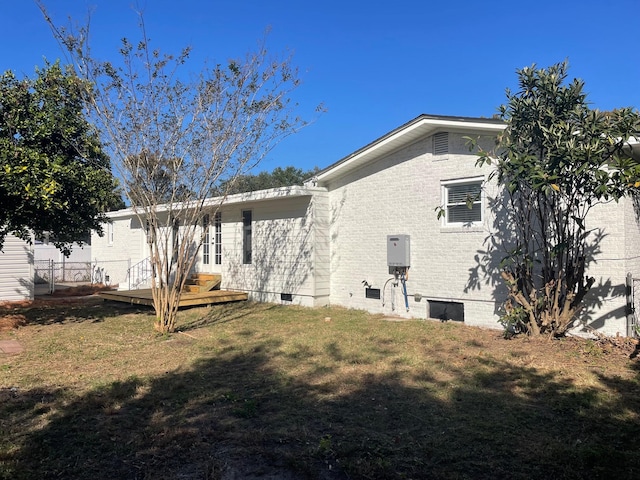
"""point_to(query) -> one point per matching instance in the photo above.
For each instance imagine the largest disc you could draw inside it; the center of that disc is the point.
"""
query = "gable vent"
(441, 143)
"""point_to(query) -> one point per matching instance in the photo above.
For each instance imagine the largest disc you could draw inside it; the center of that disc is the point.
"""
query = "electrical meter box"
(398, 251)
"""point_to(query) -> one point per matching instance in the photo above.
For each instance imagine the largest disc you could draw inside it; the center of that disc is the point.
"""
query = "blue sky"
(374, 65)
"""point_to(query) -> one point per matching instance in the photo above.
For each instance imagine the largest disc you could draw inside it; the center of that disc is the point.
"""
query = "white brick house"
(287, 251)
(326, 242)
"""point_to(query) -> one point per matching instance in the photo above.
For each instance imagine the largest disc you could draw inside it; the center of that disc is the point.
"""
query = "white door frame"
(208, 250)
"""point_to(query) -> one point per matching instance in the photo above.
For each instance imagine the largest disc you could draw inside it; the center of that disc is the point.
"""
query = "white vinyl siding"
(16, 270)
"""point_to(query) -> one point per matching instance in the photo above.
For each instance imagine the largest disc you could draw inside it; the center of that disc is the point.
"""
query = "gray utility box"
(398, 250)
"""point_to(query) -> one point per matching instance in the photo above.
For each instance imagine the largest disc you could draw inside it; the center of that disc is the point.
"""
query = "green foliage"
(54, 175)
(513, 320)
(158, 179)
(325, 446)
(556, 159)
(279, 177)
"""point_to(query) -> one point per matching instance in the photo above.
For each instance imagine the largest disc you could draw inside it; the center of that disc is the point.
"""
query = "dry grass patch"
(264, 391)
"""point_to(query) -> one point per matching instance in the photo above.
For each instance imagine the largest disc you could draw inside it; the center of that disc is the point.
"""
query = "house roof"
(239, 198)
(419, 127)
(404, 135)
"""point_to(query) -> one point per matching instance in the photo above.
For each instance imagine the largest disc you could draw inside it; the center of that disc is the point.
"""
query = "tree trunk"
(166, 301)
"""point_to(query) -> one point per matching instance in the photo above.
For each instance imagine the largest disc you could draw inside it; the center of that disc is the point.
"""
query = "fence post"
(51, 273)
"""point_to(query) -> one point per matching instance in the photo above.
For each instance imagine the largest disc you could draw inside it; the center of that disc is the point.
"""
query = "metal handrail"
(139, 273)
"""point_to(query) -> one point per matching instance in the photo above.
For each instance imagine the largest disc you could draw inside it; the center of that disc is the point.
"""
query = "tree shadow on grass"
(70, 310)
(237, 416)
(224, 313)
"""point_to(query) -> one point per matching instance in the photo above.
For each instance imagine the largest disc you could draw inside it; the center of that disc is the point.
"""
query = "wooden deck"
(144, 297)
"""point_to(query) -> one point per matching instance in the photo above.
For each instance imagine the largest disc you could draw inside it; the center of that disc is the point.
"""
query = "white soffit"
(405, 135)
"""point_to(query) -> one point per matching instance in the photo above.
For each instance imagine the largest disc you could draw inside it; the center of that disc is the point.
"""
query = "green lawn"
(263, 391)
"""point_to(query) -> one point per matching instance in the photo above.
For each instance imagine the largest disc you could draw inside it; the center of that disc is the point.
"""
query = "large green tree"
(278, 177)
(54, 175)
(556, 160)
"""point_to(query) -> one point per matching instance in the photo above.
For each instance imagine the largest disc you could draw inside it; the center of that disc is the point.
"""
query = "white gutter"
(238, 198)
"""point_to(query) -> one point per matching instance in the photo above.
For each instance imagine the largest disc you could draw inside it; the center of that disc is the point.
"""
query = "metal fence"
(52, 273)
(48, 271)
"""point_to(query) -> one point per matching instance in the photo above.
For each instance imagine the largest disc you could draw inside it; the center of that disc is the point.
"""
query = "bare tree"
(175, 136)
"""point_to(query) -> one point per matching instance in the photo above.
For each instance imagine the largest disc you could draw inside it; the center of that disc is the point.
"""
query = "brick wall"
(398, 194)
(127, 249)
(289, 250)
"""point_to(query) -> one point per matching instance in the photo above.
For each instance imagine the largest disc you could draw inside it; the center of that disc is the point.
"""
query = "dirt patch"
(15, 314)
(81, 290)
(545, 350)
(11, 322)
(62, 295)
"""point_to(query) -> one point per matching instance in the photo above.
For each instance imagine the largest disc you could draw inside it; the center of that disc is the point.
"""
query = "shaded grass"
(264, 391)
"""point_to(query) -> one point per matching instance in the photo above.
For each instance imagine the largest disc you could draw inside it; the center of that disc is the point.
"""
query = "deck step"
(202, 282)
(206, 276)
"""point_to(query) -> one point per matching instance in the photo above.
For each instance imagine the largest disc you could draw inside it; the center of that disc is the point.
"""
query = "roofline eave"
(404, 135)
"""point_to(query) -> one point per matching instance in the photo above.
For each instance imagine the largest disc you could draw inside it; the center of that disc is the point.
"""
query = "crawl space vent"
(372, 293)
(446, 310)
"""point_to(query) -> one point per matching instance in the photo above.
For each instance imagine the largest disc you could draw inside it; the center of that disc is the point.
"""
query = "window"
(217, 245)
(217, 240)
(246, 237)
(463, 202)
(110, 233)
(151, 232)
(205, 242)
(175, 230)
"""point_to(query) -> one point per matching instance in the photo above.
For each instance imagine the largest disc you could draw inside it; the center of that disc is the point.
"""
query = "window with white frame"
(462, 200)
(217, 240)
(246, 237)
(205, 242)
(175, 235)
(110, 233)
